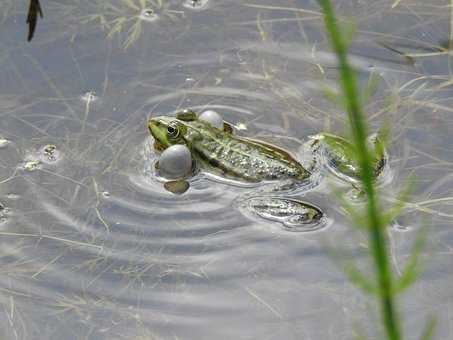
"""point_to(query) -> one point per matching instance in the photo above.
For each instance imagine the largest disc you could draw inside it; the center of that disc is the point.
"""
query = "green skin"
(222, 153)
(341, 154)
(284, 208)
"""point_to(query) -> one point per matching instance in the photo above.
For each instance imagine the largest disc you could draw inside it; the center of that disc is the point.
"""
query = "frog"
(219, 151)
(339, 156)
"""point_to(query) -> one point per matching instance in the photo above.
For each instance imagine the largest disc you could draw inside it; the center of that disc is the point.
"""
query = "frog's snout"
(154, 125)
(153, 122)
(158, 128)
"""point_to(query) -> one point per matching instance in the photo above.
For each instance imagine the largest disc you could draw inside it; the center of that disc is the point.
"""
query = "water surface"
(93, 247)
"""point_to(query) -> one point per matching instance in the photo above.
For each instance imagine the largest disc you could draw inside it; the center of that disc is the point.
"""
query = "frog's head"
(167, 131)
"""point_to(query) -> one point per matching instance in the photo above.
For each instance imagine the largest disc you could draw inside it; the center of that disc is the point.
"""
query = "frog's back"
(244, 159)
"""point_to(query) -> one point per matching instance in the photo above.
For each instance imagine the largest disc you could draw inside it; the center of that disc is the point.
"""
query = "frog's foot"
(294, 215)
(177, 187)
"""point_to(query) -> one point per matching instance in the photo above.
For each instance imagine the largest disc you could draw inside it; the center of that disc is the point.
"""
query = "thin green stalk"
(365, 160)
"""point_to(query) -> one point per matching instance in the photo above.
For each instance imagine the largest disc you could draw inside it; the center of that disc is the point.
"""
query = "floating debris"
(195, 4)
(49, 153)
(105, 194)
(13, 196)
(241, 126)
(148, 14)
(34, 10)
(32, 165)
(399, 227)
(356, 195)
(4, 211)
(89, 97)
(3, 142)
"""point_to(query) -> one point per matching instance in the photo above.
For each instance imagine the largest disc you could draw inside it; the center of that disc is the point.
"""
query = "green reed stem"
(374, 219)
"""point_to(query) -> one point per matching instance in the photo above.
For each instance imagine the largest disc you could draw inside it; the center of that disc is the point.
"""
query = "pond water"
(93, 247)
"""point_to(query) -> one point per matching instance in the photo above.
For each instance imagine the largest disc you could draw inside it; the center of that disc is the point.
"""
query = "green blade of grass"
(371, 87)
(365, 160)
(428, 331)
(412, 269)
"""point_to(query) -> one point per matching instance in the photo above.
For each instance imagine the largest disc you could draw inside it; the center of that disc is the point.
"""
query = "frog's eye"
(172, 130)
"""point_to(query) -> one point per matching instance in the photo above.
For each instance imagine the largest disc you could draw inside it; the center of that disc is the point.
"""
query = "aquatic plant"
(374, 219)
(128, 16)
(34, 11)
(6, 7)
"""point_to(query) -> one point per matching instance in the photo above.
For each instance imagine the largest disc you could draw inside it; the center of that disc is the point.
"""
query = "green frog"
(220, 152)
(339, 156)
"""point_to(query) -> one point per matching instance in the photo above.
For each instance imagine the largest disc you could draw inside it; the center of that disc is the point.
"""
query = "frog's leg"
(177, 187)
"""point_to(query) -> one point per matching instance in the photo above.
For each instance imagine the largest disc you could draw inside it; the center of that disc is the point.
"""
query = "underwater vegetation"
(122, 18)
(125, 18)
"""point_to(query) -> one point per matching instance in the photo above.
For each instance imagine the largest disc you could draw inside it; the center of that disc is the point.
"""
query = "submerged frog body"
(295, 215)
(220, 152)
(340, 158)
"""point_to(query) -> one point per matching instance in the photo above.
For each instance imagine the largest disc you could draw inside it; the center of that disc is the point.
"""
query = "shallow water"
(93, 247)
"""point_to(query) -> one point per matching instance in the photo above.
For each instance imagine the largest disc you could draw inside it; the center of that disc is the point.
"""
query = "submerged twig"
(32, 18)
(77, 243)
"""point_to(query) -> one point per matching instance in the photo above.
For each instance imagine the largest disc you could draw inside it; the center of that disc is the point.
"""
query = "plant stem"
(365, 161)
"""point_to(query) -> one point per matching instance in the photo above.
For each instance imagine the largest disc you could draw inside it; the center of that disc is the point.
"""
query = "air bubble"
(49, 153)
(32, 165)
(195, 4)
(4, 211)
(13, 196)
(148, 14)
(399, 227)
(241, 126)
(3, 142)
(89, 97)
(356, 195)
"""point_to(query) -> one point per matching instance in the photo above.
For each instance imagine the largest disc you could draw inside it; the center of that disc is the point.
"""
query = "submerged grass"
(387, 285)
(125, 18)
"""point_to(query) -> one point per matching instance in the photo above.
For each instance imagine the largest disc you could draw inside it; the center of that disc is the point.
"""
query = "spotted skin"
(221, 152)
(340, 154)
